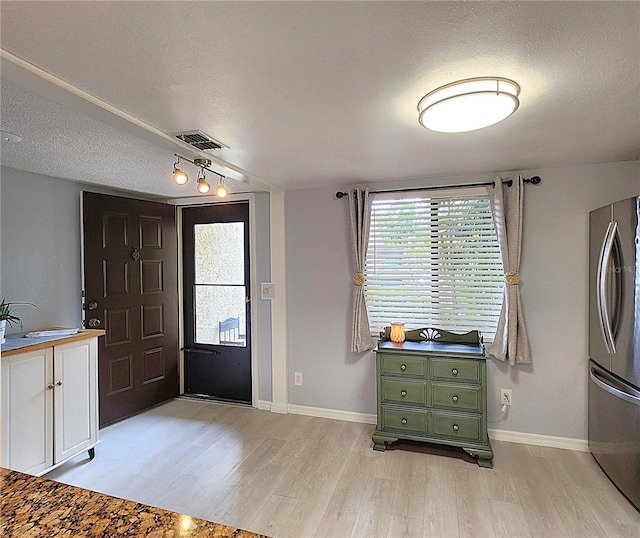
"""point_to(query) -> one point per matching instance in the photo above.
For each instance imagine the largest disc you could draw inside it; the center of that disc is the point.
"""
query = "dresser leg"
(380, 441)
(485, 457)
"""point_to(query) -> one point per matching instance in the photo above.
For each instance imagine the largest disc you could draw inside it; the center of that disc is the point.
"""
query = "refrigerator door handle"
(620, 390)
(601, 291)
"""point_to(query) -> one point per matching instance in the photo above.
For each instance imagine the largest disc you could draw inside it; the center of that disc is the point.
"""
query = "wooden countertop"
(16, 343)
(32, 507)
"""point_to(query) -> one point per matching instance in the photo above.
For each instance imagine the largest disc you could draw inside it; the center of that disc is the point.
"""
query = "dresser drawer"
(404, 390)
(455, 426)
(455, 369)
(406, 420)
(410, 366)
(456, 396)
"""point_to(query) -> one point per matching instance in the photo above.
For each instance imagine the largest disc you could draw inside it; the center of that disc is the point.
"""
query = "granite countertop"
(32, 507)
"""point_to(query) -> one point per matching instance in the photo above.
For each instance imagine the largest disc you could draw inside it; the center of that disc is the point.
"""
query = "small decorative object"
(358, 279)
(397, 333)
(512, 278)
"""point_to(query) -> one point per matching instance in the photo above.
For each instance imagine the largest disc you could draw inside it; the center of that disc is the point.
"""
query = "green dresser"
(433, 388)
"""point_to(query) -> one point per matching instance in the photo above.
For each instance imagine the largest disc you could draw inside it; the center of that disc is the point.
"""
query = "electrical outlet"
(505, 397)
(297, 379)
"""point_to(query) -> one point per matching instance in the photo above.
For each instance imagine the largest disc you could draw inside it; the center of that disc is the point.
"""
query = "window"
(434, 261)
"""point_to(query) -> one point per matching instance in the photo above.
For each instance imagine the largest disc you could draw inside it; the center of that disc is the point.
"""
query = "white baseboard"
(535, 439)
(349, 416)
(283, 409)
(550, 441)
(264, 405)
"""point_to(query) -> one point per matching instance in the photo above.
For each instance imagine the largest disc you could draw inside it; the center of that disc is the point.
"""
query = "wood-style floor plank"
(296, 476)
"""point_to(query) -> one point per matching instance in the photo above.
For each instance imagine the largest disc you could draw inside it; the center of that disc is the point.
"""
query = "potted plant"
(8, 316)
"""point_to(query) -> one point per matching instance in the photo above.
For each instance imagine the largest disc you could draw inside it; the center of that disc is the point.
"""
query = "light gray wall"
(40, 222)
(40, 255)
(550, 395)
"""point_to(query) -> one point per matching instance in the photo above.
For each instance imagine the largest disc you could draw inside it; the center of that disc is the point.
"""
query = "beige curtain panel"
(360, 213)
(511, 341)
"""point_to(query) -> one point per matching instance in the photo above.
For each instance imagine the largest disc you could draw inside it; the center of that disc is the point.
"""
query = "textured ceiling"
(310, 93)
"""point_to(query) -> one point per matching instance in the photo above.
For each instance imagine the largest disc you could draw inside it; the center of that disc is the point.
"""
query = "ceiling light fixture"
(180, 177)
(203, 186)
(221, 190)
(470, 104)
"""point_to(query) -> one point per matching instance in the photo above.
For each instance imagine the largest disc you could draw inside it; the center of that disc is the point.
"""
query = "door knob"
(94, 322)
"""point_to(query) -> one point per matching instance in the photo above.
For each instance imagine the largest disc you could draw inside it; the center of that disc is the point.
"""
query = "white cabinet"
(49, 405)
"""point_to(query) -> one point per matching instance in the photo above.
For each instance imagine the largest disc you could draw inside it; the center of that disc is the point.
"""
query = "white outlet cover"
(267, 290)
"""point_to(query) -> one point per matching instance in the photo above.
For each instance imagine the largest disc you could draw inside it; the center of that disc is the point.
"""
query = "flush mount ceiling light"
(180, 177)
(470, 104)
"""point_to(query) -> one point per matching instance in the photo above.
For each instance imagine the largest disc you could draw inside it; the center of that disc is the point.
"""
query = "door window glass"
(219, 290)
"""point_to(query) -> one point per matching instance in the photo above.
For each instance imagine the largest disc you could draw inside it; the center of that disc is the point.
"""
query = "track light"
(203, 186)
(221, 190)
(180, 177)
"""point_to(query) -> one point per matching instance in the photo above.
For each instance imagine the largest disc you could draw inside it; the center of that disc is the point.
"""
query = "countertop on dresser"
(32, 507)
(17, 343)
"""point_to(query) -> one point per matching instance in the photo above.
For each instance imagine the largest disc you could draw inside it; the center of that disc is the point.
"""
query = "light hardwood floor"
(298, 476)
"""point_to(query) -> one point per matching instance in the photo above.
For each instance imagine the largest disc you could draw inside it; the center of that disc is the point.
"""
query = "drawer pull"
(454, 371)
(454, 398)
(403, 393)
(404, 421)
(403, 367)
(455, 428)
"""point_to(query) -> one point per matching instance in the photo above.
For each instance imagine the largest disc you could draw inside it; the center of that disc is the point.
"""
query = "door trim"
(208, 201)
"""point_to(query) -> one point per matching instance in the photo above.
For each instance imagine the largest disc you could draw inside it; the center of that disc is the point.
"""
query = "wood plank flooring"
(298, 476)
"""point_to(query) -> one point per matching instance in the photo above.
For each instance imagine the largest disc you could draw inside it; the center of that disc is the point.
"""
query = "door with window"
(217, 331)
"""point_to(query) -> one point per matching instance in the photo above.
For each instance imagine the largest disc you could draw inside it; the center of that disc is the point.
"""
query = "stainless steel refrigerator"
(614, 344)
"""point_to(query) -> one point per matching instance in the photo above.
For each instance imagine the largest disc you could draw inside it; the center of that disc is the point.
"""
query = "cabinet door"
(75, 403)
(27, 411)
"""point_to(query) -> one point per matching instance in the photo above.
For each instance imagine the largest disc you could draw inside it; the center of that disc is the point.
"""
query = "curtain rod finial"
(341, 194)
(534, 180)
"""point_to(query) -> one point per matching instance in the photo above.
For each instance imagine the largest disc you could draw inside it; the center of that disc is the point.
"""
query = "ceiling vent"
(200, 141)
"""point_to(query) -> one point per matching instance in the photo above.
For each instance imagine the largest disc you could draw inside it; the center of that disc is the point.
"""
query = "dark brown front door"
(131, 291)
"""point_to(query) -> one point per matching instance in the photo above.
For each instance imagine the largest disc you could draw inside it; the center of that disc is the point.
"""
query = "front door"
(131, 291)
(217, 332)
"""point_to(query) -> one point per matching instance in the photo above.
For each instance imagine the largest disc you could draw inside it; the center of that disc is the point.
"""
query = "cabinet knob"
(454, 371)
(403, 367)
(454, 398)
(404, 421)
(50, 387)
(455, 428)
(403, 393)
(59, 383)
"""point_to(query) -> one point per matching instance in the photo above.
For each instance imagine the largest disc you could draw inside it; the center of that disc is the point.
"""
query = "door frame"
(184, 203)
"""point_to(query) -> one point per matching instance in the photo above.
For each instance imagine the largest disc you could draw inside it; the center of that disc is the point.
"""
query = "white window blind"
(434, 261)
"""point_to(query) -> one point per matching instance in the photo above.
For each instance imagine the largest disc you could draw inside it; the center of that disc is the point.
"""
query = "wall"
(40, 257)
(550, 395)
(40, 221)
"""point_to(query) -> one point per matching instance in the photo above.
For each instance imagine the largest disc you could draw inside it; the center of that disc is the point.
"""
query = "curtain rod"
(535, 180)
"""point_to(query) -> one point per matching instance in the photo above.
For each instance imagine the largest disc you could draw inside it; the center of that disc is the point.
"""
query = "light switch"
(268, 290)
